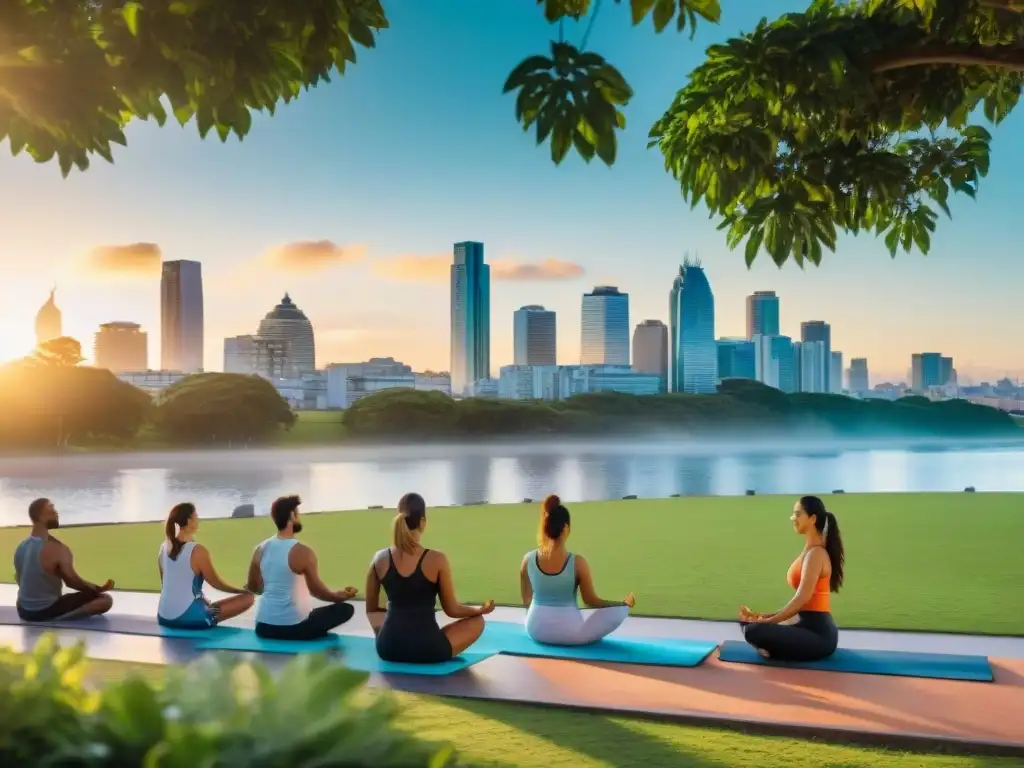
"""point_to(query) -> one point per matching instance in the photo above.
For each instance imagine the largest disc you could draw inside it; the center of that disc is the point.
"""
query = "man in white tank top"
(284, 573)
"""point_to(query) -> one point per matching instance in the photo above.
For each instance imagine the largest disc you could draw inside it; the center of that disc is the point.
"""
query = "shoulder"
(436, 557)
(579, 560)
(199, 550)
(816, 557)
(381, 556)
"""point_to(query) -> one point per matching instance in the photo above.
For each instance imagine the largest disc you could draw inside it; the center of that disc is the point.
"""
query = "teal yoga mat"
(118, 625)
(940, 666)
(511, 639)
(354, 651)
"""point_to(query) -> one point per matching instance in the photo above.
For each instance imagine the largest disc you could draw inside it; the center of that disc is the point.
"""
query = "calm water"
(138, 487)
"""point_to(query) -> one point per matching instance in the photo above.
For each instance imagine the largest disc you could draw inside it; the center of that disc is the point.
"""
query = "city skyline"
(330, 196)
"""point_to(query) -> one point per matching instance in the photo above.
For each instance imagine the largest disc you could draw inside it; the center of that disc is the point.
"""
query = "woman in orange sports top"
(815, 574)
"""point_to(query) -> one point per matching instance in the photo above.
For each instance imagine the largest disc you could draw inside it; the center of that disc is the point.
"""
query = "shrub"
(216, 712)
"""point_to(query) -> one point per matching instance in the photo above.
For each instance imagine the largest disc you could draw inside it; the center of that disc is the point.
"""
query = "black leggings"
(318, 624)
(814, 636)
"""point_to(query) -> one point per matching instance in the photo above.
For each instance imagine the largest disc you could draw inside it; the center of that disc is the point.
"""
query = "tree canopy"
(62, 352)
(851, 116)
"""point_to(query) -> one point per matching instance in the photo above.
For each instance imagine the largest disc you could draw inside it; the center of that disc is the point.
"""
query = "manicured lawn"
(506, 735)
(314, 428)
(944, 562)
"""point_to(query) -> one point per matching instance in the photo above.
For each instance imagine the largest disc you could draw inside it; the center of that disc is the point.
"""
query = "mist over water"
(139, 486)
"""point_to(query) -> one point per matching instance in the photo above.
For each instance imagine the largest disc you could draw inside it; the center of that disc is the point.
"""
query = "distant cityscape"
(684, 356)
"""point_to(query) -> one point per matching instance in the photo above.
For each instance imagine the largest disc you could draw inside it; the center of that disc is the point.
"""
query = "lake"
(136, 487)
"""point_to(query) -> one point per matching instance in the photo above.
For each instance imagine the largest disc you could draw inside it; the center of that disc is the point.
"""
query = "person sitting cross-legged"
(43, 566)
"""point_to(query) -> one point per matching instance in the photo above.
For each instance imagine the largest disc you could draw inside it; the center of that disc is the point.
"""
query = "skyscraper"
(819, 330)
(49, 321)
(762, 314)
(737, 359)
(650, 350)
(857, 376)
(694, 354)
(534, 334)
(814, 365)
(605, 327)
(121, 347)
(471, 317)
(835, 373)
(181, 316)
(288, 324)
(775, 363)
(930, 369)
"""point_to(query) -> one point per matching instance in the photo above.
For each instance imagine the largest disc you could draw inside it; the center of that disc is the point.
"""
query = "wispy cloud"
(129, 260)
(312, 255)
(436, 268)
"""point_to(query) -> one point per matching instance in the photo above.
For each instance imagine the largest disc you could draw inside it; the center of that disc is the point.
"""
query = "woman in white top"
(184, 567)
(551, 577)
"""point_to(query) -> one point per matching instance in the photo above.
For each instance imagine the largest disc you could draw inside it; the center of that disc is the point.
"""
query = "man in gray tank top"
(43, 566)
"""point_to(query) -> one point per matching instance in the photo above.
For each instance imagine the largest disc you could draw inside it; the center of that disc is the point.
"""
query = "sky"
(350, 199)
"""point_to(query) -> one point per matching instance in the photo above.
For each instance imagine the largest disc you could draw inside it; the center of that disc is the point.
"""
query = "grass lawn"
(943, 562)
(497, 734)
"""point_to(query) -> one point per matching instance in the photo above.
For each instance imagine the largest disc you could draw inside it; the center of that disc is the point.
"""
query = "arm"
(255, 581)
(202, 561)
(587, 591)
(373, 589)
(449, 603)
(160, 564)
(813, 564)
(307, 567)
(66, 572)
(525, 587)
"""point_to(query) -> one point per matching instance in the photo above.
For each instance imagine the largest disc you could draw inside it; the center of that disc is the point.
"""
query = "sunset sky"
(351, 198)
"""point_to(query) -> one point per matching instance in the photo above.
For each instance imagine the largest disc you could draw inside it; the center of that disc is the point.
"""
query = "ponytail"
(178, 518)
(412, 510)
(834, 547)
(554, 519)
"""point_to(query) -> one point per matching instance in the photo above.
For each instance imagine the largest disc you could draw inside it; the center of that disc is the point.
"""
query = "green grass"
(314, 428)
(942, 562)
(487, 733)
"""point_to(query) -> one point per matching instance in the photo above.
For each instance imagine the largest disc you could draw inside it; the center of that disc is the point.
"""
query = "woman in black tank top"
(413, 579)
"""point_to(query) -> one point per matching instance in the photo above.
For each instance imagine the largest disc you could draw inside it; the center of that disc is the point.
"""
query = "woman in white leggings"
(551, 577)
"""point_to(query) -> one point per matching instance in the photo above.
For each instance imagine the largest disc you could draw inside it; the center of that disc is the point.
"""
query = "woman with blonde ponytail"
(551, 577)
(413, 578)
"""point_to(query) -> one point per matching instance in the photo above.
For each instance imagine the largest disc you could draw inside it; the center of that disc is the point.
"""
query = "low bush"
(216, 712)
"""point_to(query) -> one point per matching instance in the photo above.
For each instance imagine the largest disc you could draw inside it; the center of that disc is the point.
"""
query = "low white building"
(559, 382)
(348, 382)
(152, 381)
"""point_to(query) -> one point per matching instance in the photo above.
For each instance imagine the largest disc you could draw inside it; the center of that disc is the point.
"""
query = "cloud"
(416, 268)
(128, 260)
(312, 255)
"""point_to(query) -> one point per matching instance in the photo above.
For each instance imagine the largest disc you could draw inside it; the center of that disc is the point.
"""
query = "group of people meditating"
(284, 572)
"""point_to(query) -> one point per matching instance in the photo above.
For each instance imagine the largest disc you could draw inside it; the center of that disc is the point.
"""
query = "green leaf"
(130, 13)
(640, 9)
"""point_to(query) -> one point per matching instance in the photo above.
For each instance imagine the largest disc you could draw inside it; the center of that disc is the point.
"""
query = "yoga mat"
(940, 666)
(354, 651)
(116, 624)
(511, 639)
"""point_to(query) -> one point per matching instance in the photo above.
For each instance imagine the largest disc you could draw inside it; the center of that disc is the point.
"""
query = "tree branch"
(1014, 6)
(1007, 57)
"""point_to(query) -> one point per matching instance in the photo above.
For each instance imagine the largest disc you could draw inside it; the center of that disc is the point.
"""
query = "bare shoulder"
(818, 557)
(580, 560)
(436, 558)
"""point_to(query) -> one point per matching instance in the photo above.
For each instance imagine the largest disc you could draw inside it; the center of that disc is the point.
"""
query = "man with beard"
(284, 572)
(43, 566)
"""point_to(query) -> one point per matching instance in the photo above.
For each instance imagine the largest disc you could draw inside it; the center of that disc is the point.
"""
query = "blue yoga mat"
(117, 624)
(511, 638)
(940, 666)
(354, 651)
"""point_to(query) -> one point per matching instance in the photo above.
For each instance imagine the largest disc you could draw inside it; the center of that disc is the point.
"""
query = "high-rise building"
(814, 365)
(534, 334)
(694, 354)
(49, 321)
(650, 349)
(605, 327)
(762, 314)
(737, 359)
(181, 316)
(121, 347)
(238, 354)
(857, 375)
(273, 358)
(930, 369)
(835, 373)
(775, 362)
(288, 324)
(819, 330)
(470, 316)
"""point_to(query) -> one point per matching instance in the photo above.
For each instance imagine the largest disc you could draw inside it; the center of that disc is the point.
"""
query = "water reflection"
(471, 479)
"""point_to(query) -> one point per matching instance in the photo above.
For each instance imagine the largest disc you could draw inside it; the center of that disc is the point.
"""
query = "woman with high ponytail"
(815, 574)
(413, 578)
(185, 567)
(551, 577)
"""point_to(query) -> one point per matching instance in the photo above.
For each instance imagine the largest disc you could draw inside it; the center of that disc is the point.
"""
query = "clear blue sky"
(415, 148)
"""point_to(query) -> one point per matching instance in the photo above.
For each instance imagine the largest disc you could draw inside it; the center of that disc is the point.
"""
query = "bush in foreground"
(216, 712)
